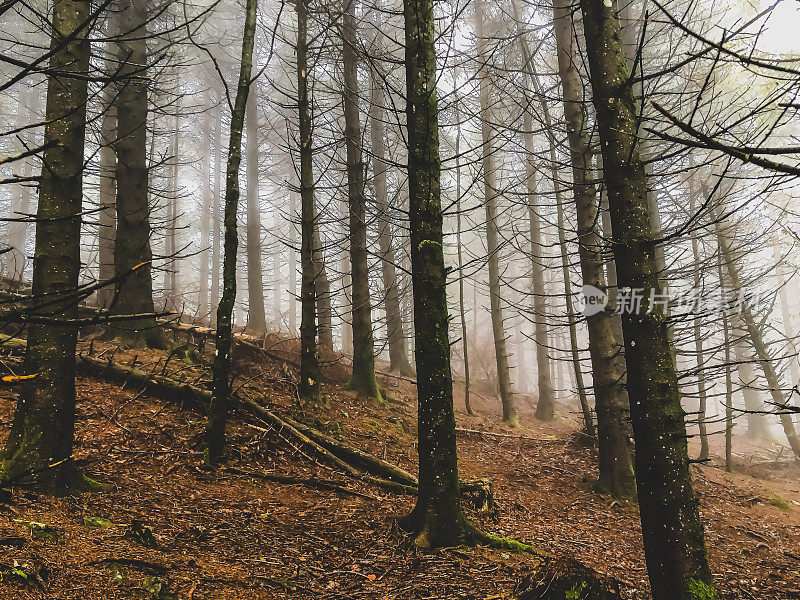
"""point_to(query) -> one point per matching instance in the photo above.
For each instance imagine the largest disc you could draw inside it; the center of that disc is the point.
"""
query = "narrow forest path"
(229, 535)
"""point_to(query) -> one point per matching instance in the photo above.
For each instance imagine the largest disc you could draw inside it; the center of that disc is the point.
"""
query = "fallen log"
(367, 468)
(159, 385)
(352, 461)
(172, 390)
(366, 461)
(481, 490)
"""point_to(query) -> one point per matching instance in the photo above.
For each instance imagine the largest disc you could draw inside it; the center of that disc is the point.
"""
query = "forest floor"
(225, 534)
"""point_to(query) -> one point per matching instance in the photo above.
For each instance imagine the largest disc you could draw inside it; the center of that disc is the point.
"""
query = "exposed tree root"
(511, 545)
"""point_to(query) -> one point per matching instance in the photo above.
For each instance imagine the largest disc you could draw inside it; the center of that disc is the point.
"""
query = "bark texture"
(363, 378)
(132, 242)
(611, 400)
(257, 318)
(672, 532)
(218, 411)
(492, 235)
(309, 361)
(437, 518)
(39, 445)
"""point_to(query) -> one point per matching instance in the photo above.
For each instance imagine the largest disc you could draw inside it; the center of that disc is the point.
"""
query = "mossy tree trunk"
(363, 378)
(40, 443)
(309, 362)
(398, 355)
(437, 518)
(611, 400)
(672, 532)
(492, 233)
(257, 319)
(132, 242)
(218, 411)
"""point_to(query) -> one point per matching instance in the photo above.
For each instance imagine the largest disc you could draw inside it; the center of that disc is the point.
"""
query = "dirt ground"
(226, 534)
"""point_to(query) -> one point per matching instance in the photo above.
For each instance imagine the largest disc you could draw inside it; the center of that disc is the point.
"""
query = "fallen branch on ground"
(132, 562)
(506, 435)
(314, 482)
(355, 463)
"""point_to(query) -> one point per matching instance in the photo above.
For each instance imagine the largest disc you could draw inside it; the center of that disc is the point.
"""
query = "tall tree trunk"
(756, 339)
(363, 378)
(107, 217)
(277, 304)
(171, 234)
(786, 317)
(218, 411)
(132, 242)
(309, 362)
(546, 411)
(464, 338)
(672, 532)
(521, 362)
(205, 221)
(216, 225)
(437, 519)
(728, 379)
(257, 318)
(546, 403)
(16, 260)
(698, 343)
(757, 425)
(572, 351)
(611, 400)
(39, 445)
(492, 233)
(346, 303)
(398, 356)
(292, 264)
(322, 285)
(611, 269)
